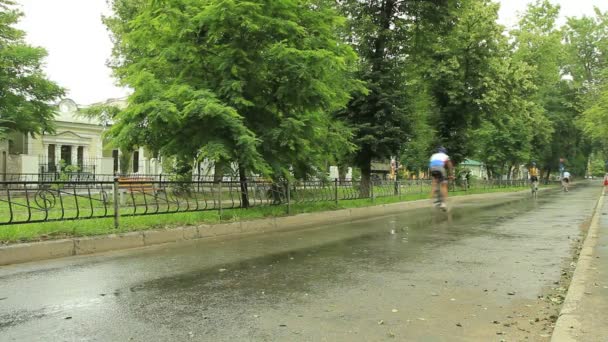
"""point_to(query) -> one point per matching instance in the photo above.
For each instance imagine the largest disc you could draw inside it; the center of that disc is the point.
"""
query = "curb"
(568, 323)
(35, 251)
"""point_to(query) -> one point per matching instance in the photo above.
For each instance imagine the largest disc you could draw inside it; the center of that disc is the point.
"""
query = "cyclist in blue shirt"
(440, 165)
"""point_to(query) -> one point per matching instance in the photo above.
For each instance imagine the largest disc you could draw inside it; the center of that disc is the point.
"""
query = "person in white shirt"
(440, 165)
(566, 180)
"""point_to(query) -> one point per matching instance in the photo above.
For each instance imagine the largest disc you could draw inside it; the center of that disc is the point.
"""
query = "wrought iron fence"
(77, 176)
(51, 165)
(59, 200)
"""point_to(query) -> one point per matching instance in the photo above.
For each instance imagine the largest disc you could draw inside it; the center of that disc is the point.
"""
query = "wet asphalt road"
(475, 274)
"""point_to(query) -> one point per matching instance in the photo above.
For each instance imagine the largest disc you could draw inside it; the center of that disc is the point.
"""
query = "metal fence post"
(220, 199)
(116, 206)
(288, 186)
(336, 191)
(398, 189)
(371, 189)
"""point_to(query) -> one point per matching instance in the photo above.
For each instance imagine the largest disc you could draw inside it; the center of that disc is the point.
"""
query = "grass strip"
(91, 227)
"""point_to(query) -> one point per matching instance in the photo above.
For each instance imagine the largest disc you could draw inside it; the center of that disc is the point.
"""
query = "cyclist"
(440, 164)
(566, 180)
(533, 171)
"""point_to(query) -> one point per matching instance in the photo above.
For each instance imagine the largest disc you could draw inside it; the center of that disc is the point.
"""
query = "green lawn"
(100, 226)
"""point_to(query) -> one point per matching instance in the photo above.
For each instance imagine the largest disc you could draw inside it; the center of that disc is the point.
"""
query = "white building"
(77, 145)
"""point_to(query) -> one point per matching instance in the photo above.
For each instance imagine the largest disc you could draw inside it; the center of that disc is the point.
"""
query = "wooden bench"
(134, 184)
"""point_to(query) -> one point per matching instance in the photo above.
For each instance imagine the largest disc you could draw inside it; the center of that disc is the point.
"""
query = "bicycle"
(439, 200)
(534, 188)
(438, 195)
(565, 183)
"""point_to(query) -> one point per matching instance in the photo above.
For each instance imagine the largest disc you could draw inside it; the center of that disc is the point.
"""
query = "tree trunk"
(342, 171)
(244, 188)
(366, 176)
(125, 161)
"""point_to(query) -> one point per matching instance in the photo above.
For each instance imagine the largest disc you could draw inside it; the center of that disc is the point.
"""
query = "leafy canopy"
(244, 81)
(25, 92)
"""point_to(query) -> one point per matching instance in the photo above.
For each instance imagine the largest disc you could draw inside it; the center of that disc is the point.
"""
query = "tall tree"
(587, 49)
(382, 32)
(538, 42)
(26, 95)
(587, 64)
(253, 87)
(504, 139)
(464, 59)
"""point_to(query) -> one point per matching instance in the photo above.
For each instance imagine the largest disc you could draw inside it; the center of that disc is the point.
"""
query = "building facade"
(77, 146)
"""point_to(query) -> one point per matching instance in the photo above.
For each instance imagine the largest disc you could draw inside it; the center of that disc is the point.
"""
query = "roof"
(471, 162)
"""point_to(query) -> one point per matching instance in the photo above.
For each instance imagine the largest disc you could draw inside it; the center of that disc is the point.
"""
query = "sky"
(79, 46)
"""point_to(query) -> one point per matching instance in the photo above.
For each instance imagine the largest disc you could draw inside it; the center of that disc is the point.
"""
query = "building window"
(66, 154)
(80, 157)
(115, 158)
(136, 161)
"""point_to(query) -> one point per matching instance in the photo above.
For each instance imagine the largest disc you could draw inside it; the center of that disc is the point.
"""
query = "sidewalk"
(585, 317)
(593, 308)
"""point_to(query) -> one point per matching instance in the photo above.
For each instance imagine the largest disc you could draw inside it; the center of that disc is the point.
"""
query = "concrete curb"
(568, 323)
(25, 252)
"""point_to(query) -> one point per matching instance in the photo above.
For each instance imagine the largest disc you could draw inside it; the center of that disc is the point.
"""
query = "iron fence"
(59, 200)
(77, 176)
(51, 165)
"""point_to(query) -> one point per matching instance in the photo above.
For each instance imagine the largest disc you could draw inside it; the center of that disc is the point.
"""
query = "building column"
(57, 154)
(30, 145)
(43, 157)
(74, 154)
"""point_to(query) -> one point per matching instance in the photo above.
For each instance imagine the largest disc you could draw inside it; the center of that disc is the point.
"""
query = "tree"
(465, 59)
(587, 64)
(254, 87)
(26, 95)
(594, 121)
(383, 32)
(504, 139)
(597, 165)
(537, 43)
(587, 49)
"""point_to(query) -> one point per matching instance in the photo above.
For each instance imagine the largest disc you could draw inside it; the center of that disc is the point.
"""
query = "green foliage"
(260, 83)
(25, 92)
(65, 170)
(388, 35)
(467, 58)
(588, 56)
(254, 86)
(597, 165)
(587, 64)
(587, 46)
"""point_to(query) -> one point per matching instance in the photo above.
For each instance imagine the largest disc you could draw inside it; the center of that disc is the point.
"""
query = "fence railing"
(60, 200)
(78, 176)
